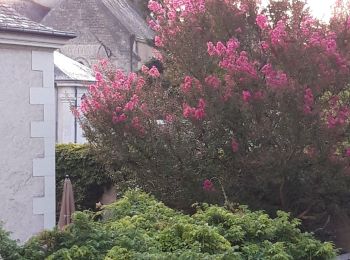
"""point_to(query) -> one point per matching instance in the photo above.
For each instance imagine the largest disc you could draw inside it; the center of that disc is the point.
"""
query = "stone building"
(27, 128)
(110, 29)
(71, 80)
(28, 8)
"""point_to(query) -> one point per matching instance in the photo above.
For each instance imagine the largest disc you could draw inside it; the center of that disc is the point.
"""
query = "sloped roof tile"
(10, 20)
(129, 18)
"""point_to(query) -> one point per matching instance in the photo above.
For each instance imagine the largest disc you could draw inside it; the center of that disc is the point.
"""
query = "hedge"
(88, 176)
(140, 227)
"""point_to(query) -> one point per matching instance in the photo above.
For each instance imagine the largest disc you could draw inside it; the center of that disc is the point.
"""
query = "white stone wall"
(66, 124)
(27, 138)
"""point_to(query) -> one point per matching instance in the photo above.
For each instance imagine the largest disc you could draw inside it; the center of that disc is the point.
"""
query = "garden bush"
(249, 98)
(89, 177)
(9, 250)
(140, 227)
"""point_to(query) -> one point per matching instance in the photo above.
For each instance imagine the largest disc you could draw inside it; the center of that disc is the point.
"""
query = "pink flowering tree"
(254, 97)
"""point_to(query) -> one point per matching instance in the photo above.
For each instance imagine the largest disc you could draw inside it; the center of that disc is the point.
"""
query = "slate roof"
(11, 21)
(129, 18)
(67, 69)
(30, 9)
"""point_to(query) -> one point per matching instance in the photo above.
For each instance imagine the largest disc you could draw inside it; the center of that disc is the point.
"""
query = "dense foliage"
(250, 100)
(139, 227)
(89, 177)
(9, 250)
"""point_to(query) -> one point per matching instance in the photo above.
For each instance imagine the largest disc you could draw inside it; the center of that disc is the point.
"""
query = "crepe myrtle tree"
(252, 101)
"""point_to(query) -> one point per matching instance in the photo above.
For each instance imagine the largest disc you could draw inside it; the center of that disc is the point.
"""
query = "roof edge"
(32, 39)
(60, 34)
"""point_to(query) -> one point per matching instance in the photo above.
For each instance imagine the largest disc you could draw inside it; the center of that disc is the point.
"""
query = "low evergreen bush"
(140, 227)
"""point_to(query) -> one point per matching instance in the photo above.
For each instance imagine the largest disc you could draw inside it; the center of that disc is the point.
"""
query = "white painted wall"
(65, 118)
(27, 173)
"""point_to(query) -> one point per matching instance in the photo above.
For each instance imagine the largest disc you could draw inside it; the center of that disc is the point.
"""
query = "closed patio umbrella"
(67, 204)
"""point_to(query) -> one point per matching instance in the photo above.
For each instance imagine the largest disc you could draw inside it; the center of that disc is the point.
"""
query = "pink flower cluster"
(338, 117)
(261, 21)
(208, 185)
(190, 82)
(234, 145)
(220, 49)
(246, 95)
(156, 7)
(213, 81)
(274, 79)
(337, 114)
(118, 98)
(308, 101)
(153, 72)
(131, 105)
(278, 34)
(197, 113)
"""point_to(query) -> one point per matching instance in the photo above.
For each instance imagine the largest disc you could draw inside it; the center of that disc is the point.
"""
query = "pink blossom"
(264, 46)
(213, 81)
(259, 95)
(274, 79)
(246, 95)
(211, 49)
(208, 185)
(158, 41)
(308, 101)
(158, 55)
(187, 85)
(234, 145)
(261, 21)
(155, 7)
(278, 33)
(119, 119)
(103, 63)
(232, 45)
(140, 83)
(153, 72)
(220, 48)
(347, 152)
(348, 23)
(154, 26)
(171, 15)
(197, 113)
(238, 30)
(169, 118)
(99, 76)
(188, 111)
(144, 69)
(132, 103)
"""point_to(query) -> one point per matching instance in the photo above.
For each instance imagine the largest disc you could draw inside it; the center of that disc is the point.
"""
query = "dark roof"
(129, 18)
(12, 21)
(28, 8)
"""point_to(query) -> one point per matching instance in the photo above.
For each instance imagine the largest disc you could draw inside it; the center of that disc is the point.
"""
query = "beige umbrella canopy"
(67, 204)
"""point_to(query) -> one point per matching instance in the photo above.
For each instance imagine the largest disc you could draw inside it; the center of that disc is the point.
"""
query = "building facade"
(72, 80)
(111, 29)
(27, 129)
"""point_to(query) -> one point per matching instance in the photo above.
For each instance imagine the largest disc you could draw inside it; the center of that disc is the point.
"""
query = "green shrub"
(88, 176)
(8, 248)
(139, 227)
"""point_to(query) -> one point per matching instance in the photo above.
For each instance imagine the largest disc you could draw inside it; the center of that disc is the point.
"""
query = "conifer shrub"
(140, 227)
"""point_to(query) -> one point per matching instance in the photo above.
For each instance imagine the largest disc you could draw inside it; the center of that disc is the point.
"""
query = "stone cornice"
(32, 40)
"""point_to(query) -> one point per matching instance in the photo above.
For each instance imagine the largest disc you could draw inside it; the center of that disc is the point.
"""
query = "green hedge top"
(88, 176)
(139, 227)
